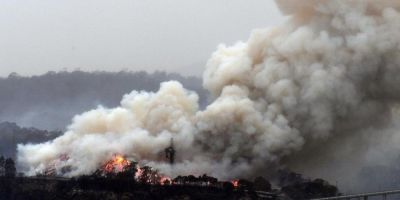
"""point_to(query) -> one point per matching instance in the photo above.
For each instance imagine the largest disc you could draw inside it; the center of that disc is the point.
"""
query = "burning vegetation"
(321, 79)
(327, 76)
(120, 167)
(122, 176)
(117, 164)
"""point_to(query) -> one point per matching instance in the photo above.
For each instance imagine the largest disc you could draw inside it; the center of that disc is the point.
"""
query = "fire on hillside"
(122, 170)
(117, 164)
(120, 166)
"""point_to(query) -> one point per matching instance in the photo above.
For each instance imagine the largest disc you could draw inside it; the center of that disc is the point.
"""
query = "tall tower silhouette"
(170, 152)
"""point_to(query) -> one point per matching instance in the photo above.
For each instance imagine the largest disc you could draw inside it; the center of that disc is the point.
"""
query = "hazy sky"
(174, 35)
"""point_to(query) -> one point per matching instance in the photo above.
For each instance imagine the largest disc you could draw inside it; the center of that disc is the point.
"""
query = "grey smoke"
(49, 101)
(11, 134)
(316, 94)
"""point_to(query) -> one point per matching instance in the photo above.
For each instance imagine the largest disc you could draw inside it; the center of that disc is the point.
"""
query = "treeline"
(290, 185)
(137, 178)
(50, 101)
(147, 183)
(7, 167)
(296, 186)
(11, 135)
(146, 175)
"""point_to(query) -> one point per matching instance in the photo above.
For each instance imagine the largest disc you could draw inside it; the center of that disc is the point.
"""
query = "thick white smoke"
(289, 94)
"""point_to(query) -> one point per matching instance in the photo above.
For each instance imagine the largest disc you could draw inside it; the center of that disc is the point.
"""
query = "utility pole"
(170, 152)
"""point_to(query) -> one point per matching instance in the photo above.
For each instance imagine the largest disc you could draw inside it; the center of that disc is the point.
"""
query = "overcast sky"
(174, 35)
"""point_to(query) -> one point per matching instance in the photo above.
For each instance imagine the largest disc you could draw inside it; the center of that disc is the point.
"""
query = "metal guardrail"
(365, 196)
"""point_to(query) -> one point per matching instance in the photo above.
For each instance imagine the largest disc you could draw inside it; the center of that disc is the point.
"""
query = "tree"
(286, 177)
(261, 184)
(129, 171)
(9, 168)
(208, 180)
(155, 178)
(146, 174)
(2, 163)
(178, 180)
(228, 187)
(317, 188)
(244, 184)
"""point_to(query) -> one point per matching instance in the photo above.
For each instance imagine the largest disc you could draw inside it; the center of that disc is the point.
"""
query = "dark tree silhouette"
(2, 163)
(317, 188)
(261, 184)
(208, 180)
(11, 134)
(244, 184)
(129, 171)
(178, 180)
(146, 174)
(287, 177)
(155, 177)
(9, 167)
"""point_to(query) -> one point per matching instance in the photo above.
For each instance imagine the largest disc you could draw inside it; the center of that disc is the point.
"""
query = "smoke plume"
(320, 87)
(49, 101)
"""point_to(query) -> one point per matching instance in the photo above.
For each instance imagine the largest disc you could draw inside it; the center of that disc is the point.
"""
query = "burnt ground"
(23, 188)
(292, 186)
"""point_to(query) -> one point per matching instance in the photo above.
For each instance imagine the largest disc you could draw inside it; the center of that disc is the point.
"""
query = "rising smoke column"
(328, 74)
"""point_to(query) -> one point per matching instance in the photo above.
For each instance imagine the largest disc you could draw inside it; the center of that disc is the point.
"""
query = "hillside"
(50, 101)
(11, 135)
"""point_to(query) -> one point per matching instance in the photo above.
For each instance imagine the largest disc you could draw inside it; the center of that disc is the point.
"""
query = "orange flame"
(235, 183)
(117, 164)
(165, 180)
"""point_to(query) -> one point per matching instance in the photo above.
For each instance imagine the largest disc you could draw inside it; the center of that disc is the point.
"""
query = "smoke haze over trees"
(11, 135)
(325, 81)
(317, 94)
(51, 100)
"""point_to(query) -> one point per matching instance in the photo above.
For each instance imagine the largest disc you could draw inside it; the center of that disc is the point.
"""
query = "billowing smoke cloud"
(324, 82)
